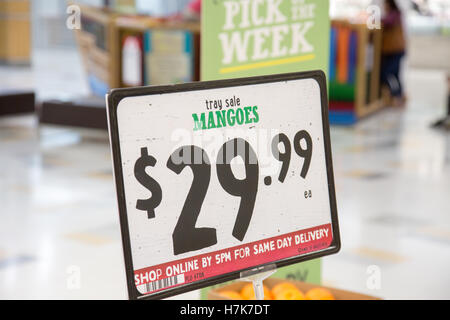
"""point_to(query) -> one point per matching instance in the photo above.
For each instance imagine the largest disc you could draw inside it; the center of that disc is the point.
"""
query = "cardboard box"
(304, 287)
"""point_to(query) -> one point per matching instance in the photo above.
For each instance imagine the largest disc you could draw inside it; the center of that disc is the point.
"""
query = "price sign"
(216, 178)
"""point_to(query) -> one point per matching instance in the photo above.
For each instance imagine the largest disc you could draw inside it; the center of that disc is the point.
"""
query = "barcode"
(163, 283)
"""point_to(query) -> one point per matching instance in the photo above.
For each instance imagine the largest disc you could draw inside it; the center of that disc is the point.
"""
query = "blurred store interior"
(58, 210)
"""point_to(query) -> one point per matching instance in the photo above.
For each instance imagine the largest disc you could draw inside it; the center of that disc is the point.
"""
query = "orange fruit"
(231, 295)
(281, 287)
(290, 294)
(319, 294)
(248, 293)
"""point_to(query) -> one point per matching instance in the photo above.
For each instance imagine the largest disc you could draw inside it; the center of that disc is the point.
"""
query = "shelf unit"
(355, 62)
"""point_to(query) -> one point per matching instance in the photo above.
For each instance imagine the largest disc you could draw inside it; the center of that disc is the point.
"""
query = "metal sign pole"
(257, 276)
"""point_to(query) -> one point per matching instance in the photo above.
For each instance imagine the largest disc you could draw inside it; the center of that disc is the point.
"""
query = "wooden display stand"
(99, 50)
(100, 42)
(15, 32)
(97, 43)
(140, 25)
(364, 98)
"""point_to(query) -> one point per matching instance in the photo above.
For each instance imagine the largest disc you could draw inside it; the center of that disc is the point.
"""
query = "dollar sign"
(154, 201)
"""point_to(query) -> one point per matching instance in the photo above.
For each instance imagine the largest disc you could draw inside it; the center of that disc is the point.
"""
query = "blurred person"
(393, 50)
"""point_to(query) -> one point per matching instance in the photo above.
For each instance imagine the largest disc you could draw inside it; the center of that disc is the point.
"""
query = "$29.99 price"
(186, 237)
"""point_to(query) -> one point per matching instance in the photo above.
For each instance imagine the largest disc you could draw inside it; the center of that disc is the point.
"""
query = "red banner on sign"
(184, 271)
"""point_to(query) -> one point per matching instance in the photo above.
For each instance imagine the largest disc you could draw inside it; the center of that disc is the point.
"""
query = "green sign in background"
(288, 37)
(243, 38)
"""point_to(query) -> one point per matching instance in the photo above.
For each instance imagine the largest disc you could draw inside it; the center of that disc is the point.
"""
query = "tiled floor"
(59, 232)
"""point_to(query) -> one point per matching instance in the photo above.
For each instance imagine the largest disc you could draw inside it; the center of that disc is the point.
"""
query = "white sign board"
(215, 178)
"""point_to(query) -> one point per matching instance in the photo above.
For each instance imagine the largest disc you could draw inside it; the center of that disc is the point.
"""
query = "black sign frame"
(114, 98)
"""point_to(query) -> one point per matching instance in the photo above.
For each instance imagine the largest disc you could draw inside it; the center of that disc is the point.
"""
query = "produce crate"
(303, 286)
(355, 62)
